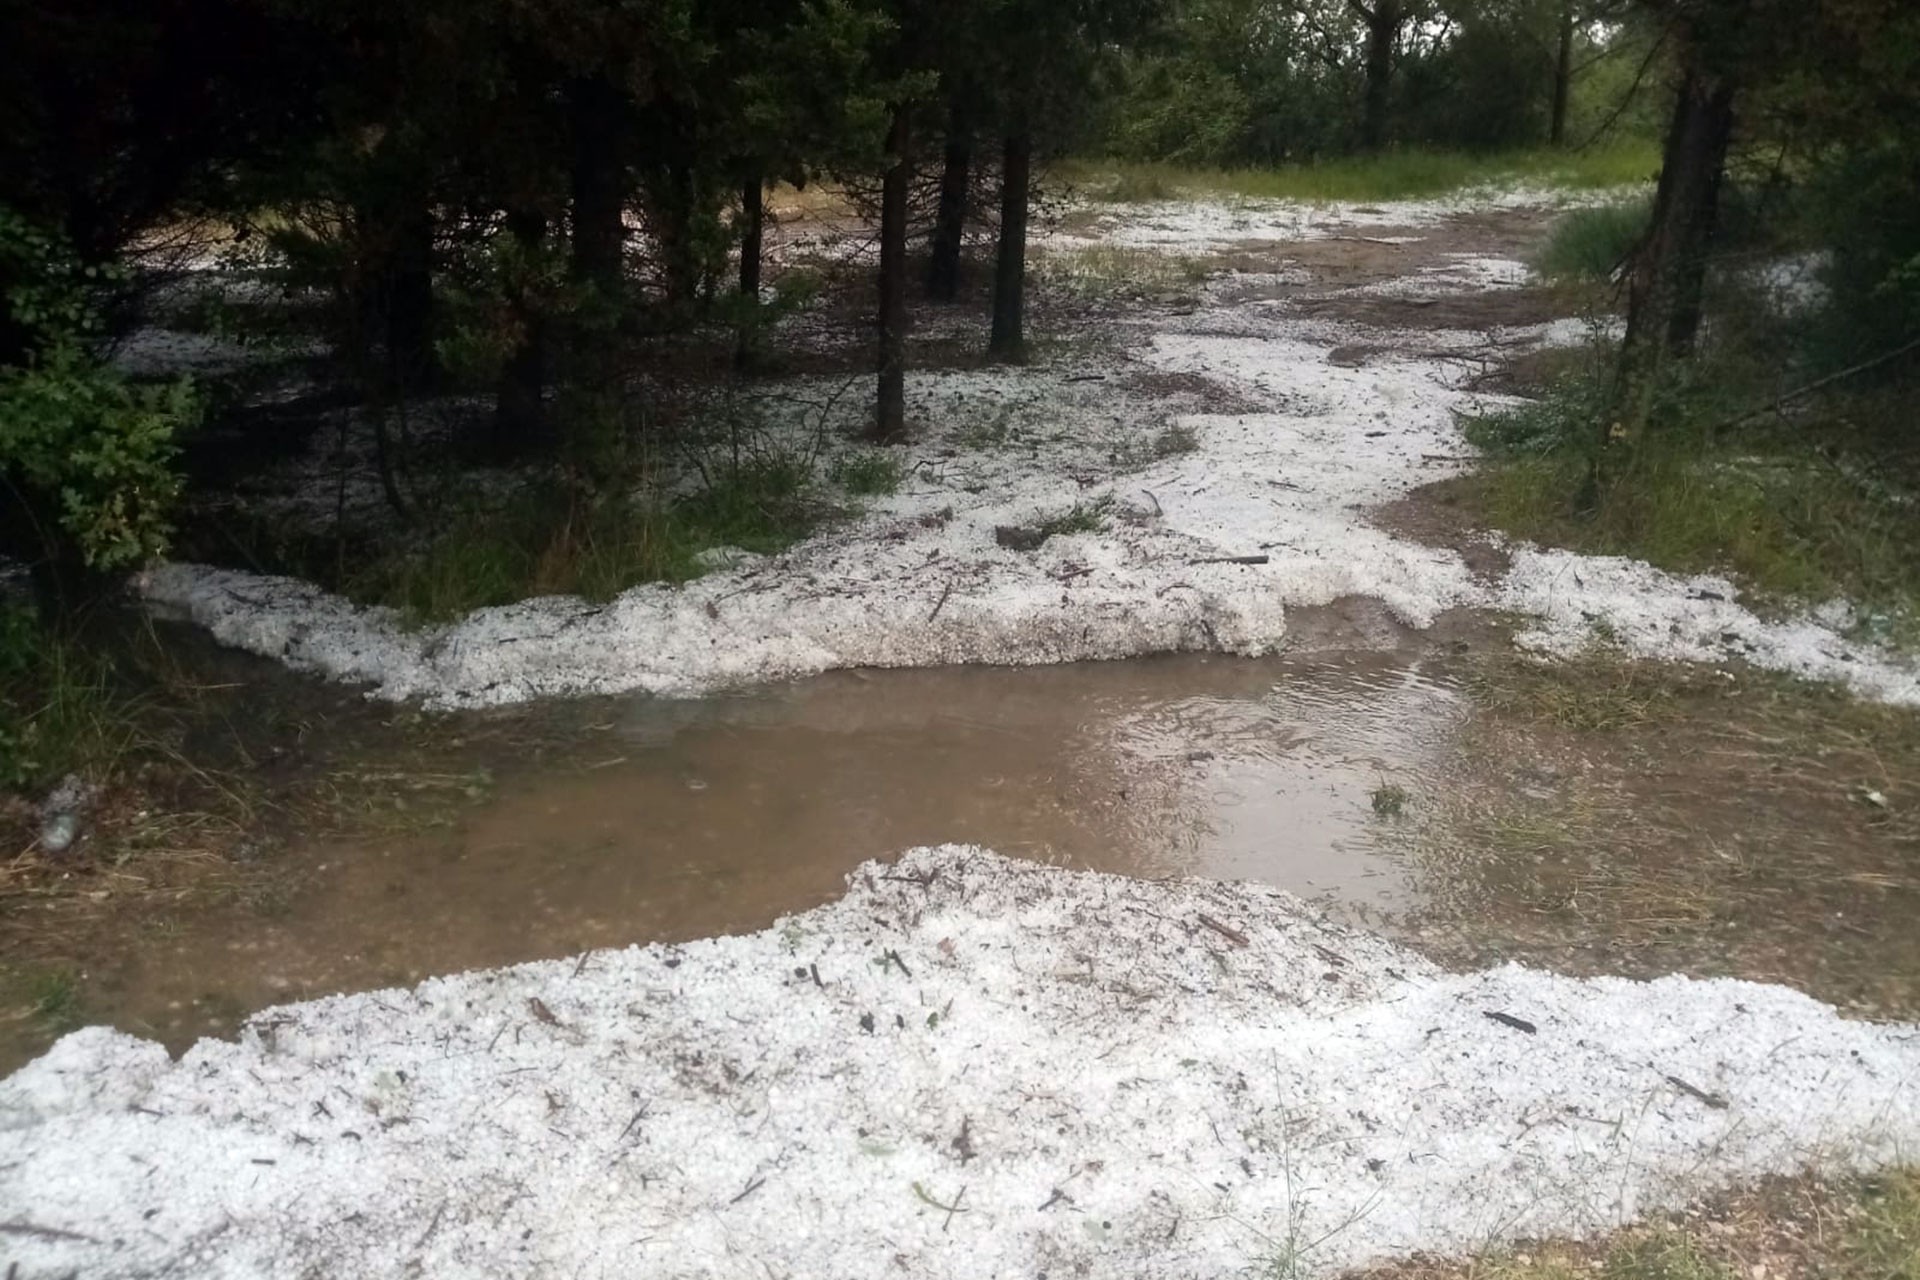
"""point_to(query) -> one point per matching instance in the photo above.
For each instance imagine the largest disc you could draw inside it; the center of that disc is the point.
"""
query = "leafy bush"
(88, 456)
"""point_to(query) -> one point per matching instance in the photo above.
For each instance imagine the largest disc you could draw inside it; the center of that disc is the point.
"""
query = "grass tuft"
(61, 710)
(868, 473)
(1390, 799)
(1081, 517)
(1590, 244)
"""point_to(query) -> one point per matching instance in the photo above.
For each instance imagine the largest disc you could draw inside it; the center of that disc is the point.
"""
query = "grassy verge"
(542, 544)
(1800, 511)
(1790, 1229)
(1395, 175)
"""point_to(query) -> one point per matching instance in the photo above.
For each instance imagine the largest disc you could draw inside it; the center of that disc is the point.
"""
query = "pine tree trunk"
(591, 412)
(411, 359)
(753, 217)
(890, 415)
(676, 248)
(1562, 76)
(599, 185)
(1007, 340)
(1669, 267)
(519, 418)
(950, 222)
(1383, 29)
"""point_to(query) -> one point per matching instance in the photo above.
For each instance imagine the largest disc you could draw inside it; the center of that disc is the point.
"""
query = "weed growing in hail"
(1389, 799)
(867, 473)
(1081, 517)
(1170, 443)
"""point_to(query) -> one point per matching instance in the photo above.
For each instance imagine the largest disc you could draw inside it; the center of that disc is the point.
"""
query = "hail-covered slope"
(967, 1067)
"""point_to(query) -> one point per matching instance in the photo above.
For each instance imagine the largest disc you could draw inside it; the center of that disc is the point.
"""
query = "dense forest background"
(536, 203)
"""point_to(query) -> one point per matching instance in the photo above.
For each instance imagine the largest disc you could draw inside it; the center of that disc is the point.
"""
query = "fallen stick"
(1782, 401)
(752, 1187)
(1508, 1020)
(1231, 560)
(941, 603)
(1713, 1100)
(1228, 932)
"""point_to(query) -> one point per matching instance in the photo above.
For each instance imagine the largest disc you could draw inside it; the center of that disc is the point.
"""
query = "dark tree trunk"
(520, 420)
(1562, 76)
(1383, 30)
(753, 217)
(1669, 267)
(890, 415)
(599, 185)
(950, 222)
(411, 361)
(1007, 340)
(593, 431)
(753, 212)
(680, 258)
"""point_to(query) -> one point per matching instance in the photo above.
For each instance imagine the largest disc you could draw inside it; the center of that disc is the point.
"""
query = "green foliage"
(59, 709)
(1803, 511)
(547, 541)
(869, 472)
(81, 447)
(1593, 243)
(1081, 517)
(1883, 1241)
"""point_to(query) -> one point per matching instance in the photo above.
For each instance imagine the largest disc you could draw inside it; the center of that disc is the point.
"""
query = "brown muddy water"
(720, 815)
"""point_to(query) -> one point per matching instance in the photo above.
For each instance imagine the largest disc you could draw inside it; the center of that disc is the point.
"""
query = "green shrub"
(1592, 243)
(88, 456)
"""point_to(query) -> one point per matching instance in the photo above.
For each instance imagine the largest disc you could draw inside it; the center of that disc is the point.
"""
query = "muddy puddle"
(720, 815)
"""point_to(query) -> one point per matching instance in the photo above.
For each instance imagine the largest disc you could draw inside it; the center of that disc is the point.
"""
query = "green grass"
(1081, 517)
(53, 997)
(1590, 244)
(1799, 513)
(1106, 271)
(1884, 1242)
(541, 545)
(1859, 1229)
(868, 473)
(1394, 175)
(61, 710)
